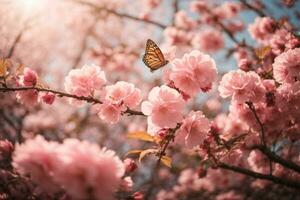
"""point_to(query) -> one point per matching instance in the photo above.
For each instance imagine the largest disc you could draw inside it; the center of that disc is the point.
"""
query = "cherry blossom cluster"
(31, 97)
(77, 167)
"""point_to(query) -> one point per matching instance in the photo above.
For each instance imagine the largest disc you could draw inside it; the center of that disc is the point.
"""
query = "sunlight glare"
(31, 5)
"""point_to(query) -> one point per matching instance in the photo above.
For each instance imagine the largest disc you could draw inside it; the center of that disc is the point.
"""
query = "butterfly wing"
(153, 57)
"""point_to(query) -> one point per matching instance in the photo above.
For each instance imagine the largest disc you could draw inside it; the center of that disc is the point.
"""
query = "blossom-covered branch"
(122, 15)
(63, 94)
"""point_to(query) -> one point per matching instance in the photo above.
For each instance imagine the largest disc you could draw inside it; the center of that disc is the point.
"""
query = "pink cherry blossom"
(176, 36)
(47, 97)
(193, 73)
(29, 98)
(286, 66)
(245, 64)
(262, 28)
(235, 26)
(231, 195)
(198, 6)
(209, 40)
(123, 93)
(164, 106)
(242, 86)
(283, 40)
(84, 81)
(83, 165)
(258, 162)
(126, 184)
(29, 78)
(73, 165)
(38, 158)
(169, 51)
(228, 10)
(194, 129)
(109, 113)
(183, 21)
(130, 165)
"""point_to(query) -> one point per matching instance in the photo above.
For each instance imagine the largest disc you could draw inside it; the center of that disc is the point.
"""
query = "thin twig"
(262, 129)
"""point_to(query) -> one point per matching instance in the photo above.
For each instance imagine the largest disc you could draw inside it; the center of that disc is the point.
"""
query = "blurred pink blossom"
(184, 21)
(286, 66)
(126, 184)
(194, 129)
(138, 196)
(76, 166)
(6, 149)
(84, 81)
(39, 158)
(245, 64)
(235, 26)
(228, 9)
(29, 98)
(83, 165)
(258, 162)
(209, 40)
(283, 40)
(164, 106)
(231, 195)
(29, 78)
(193, 73)
(130, 165)
(176, 36)
(262, 29)
(198, 6)
(47, 97)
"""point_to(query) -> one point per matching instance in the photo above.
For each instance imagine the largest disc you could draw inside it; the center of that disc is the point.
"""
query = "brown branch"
(161, 153)
(272, 156)
(19, 37)
(229, 33)
(262, 129)
(84, 44)
(176, 9)
(251, 7)
(63, 94)
(122, 15)
(274, 179)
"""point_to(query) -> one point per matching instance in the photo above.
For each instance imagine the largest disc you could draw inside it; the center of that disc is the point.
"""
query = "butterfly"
(153, 57)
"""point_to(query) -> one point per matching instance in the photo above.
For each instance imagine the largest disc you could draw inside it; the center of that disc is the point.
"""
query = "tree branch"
(122, 15)
(63, 94)
(272, 156)
(274, 179)
(258, 11)
(262, 129)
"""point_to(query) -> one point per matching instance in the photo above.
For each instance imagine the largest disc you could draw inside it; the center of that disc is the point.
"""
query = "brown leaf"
(3, 67)
(141, 135)
(146, 152)
(262, 52)
(136, 151)
(166, 160)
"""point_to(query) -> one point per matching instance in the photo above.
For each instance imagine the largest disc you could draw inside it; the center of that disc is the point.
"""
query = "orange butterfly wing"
(153, 57)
